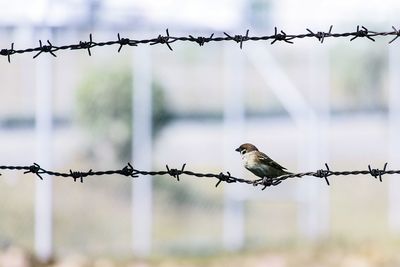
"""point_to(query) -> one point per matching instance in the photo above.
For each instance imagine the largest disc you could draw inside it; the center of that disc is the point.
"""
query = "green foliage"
(104, 108)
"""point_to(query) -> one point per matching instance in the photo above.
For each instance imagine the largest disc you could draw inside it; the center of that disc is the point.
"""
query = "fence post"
(44, 133)
(314, 209)
(394, 137)
(233, 220)
(141, 150)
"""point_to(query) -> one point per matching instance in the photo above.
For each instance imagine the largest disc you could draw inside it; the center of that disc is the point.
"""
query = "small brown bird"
(260, 164)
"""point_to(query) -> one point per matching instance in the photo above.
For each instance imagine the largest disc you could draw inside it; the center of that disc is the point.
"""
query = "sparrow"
(260, 164)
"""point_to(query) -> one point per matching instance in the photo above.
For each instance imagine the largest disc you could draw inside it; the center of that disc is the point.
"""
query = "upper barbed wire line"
(166, 39)
(130, 171)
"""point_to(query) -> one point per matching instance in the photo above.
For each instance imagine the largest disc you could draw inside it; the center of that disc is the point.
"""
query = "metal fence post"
(141, 151)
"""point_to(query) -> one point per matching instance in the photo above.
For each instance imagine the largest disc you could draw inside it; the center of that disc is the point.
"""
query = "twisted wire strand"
(278, 36)
(130, 171)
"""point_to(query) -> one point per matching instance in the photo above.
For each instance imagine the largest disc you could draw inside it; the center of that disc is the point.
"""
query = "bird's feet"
(268, 181)
(258, 181)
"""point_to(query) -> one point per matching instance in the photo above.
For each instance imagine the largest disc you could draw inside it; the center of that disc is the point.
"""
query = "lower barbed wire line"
(129, 171)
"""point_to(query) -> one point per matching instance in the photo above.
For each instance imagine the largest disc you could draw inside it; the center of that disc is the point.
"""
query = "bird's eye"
(243, 151)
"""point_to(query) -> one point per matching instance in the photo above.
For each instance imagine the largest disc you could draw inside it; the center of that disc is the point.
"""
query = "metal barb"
(175, 172)
(122, 42)
(128, 170)
(76, 175)
(397, 32)
(35, 169)
(280, 37)
(200, 39)
(321, 35)
(220, 177)
(8, 52)
(238, 38)
(324, 173)
(45, 49)
(377, 173)
(163, 40)
(363, 32)
(86, 45)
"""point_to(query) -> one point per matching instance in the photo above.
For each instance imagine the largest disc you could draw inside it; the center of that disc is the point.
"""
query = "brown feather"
(267, 160)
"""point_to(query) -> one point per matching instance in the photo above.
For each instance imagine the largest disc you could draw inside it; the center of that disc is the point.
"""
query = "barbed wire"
(279, 35)
(130, 171)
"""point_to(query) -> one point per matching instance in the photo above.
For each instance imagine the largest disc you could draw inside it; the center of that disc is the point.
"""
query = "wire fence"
(167, 39)
(277, 36)
(130, 171)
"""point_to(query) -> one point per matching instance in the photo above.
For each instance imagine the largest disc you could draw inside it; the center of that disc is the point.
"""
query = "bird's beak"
(237, 149)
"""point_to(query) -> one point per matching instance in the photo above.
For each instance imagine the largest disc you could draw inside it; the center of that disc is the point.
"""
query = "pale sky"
(222, 14)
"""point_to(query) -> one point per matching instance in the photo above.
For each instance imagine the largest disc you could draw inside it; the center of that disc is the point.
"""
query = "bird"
(260, 164)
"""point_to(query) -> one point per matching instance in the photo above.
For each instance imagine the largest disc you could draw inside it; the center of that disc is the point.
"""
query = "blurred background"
(303, 104)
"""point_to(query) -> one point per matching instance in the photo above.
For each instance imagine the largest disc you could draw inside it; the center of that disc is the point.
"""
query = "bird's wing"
(267, 160)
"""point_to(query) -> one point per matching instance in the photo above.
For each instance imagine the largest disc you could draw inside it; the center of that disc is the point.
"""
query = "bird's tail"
(286, 172)
(279, 173)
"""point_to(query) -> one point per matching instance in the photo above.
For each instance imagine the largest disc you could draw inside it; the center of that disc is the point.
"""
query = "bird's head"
(246, 148)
